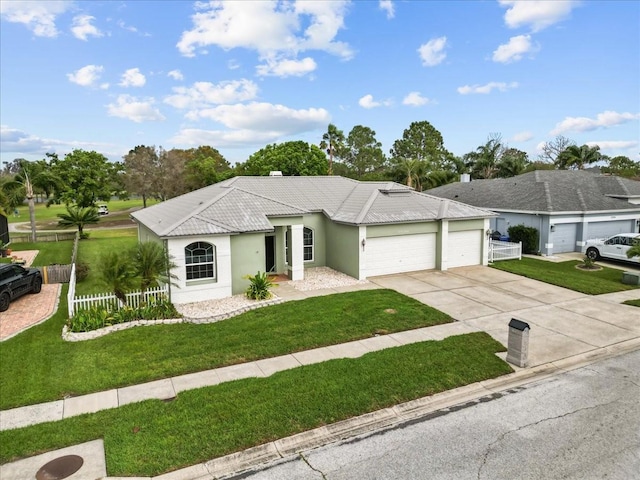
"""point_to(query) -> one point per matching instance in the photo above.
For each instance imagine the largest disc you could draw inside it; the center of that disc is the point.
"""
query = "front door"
(270, 253)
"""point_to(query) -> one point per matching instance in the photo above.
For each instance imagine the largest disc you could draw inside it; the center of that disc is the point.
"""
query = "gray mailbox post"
(518, 343)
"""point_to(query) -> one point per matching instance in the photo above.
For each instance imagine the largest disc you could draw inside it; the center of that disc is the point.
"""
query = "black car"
(15, 281)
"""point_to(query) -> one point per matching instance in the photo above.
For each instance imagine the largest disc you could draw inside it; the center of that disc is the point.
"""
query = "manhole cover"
(60, 468)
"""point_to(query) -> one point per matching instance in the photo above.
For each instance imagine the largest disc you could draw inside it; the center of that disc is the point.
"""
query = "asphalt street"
(584, 424)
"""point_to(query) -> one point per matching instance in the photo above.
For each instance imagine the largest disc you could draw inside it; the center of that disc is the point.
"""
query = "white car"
(615, 247)
(103, 210)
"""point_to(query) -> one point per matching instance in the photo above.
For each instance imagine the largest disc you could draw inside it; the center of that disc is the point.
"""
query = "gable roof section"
(549, 191)
(244, 204)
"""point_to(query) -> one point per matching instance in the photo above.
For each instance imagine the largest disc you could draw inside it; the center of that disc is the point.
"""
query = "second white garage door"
(403, 253)
(465, 248)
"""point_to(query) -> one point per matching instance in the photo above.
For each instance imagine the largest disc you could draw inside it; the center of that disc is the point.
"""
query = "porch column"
(296, 267)
(485, 241)
(442, 247)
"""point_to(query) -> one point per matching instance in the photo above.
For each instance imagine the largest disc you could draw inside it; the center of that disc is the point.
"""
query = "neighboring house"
(4, 229)
(568, 207)
(219, 234)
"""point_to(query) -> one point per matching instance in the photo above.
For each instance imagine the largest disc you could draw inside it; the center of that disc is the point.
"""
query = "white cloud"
(522, 137)
(432, 52)
(273, 29)
(265, 117)
(514, 50)
(286, 67)
(135, 110)
(487, 88)
(368, 102)
(415, 99)
(82, 27)
(205, 94)
(223, 138)
(86, 76)
(132, 78)
(387, 6)
(614, 144)
(537, 14)
(39, 16)
(233, 64)
(585, 124)
(176, 75)
(24, 144)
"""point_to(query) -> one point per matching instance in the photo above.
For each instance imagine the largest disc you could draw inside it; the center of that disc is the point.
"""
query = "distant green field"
(49, 214)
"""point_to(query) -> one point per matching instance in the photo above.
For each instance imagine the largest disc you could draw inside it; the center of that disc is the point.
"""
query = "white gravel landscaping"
(324, 277)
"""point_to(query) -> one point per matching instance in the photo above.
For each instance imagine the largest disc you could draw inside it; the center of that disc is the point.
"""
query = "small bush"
(259, 286)
(99, 317)
(82, 271)
(529, 236)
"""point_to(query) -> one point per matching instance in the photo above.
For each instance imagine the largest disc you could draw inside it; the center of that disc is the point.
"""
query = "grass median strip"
(565, 274)
(153, 437)
(38, 366)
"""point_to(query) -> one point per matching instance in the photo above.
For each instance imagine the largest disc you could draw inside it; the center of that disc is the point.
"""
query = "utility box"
(518, 343)
(631, 278)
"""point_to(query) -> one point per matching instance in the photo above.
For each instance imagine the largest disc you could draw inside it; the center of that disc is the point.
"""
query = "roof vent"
(275, 173)
(465, 178)
(396, 192)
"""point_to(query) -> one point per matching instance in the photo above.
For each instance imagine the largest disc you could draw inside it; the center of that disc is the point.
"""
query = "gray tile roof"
(550, 191)
(244, 204)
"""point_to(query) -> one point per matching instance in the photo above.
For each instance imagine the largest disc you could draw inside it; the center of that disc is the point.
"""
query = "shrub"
(82, 271)
(259, 286)
(94, 318)
(529, 236)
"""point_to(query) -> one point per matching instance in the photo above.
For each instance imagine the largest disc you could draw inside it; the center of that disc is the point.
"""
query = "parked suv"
(615, 247)
(15, 281)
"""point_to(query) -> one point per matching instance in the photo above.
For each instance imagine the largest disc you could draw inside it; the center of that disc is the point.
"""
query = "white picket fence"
(504, 250)
(109, 300)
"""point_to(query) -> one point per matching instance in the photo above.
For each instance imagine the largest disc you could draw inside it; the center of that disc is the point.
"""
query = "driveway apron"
(563, 322)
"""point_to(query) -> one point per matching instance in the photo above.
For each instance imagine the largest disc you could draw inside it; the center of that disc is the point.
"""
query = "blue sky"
(110, 75)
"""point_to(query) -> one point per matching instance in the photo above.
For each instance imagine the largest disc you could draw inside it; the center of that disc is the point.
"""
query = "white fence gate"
(504, 250)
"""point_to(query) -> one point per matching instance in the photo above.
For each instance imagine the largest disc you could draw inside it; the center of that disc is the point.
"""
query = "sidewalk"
(568, 329)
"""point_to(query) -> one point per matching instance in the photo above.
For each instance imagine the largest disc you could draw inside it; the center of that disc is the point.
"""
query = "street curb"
(255, 458)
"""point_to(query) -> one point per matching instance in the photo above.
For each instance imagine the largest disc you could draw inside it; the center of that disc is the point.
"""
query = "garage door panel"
(607, 229)
(402, 253)
(465, 248)
(564, 237)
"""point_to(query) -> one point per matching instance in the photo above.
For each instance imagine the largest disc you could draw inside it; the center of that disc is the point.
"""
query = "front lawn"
(565, 274)
(633, 303)
(38, 366)
(153, 437)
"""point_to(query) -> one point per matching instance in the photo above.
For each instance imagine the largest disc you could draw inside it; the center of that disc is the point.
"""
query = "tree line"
(418, 159)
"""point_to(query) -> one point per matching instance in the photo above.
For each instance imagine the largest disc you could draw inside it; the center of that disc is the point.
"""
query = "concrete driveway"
(563, 322)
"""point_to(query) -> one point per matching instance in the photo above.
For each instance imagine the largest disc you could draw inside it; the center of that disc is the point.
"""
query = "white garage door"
(402, 253)
(465, 248)
(564, 237)
(608, 229)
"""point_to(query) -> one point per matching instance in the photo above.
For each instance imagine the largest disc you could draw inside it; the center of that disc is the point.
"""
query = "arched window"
(200, 260)
(307, 242)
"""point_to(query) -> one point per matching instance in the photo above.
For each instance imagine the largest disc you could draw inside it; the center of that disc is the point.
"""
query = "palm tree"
(486, 157)
(14, 192)
(117, 272)
(332, 142)
(409, 171)
(152, 265)
(578, 157)
(79, 217)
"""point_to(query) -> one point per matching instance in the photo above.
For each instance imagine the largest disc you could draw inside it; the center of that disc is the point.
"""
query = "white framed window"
(200, 261)
(307, 243)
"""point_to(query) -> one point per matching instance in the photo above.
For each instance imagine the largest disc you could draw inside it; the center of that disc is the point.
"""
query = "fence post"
(520, 253)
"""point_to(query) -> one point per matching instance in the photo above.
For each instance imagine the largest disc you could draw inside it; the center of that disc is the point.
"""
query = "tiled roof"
(550, 191)
(243, 204)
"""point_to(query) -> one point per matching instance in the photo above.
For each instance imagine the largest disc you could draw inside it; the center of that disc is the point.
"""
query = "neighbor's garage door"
(564, 237)
(608, 229)
(465, 248)
(402, 253)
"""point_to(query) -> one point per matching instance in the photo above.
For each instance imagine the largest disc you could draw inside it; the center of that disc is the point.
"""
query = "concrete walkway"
(566, 328)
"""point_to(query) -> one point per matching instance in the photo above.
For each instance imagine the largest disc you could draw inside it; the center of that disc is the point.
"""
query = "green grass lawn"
(152, 437)
(48, 252)
(565, 274)
(38, 366)
(90, 250)
(46, 215)
(633, 303)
